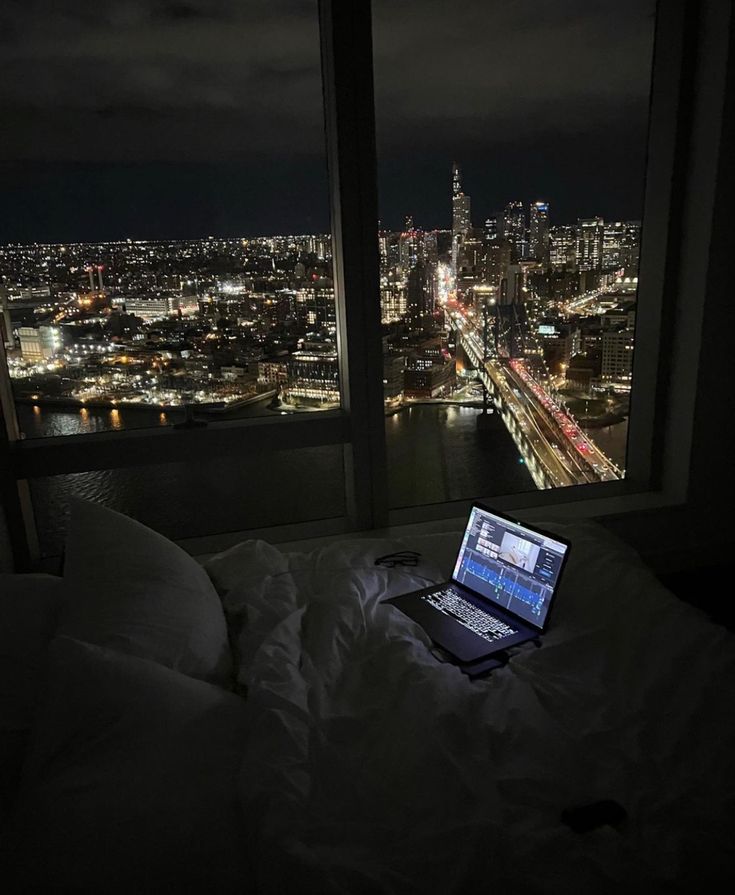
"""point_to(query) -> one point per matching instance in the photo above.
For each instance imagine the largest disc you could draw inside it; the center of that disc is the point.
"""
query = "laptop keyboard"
(477, 620)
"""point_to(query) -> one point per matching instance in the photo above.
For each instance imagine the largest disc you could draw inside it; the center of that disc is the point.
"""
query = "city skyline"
(227, 325)
(158, 120)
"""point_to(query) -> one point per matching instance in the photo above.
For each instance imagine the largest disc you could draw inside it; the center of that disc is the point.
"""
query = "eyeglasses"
(402, 558)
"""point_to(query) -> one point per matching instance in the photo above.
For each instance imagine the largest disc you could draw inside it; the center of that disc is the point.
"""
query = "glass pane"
(202, 497)
(165, 242)
(511, 152)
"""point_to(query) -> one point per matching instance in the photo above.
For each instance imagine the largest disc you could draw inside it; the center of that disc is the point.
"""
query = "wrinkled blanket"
(375, 767)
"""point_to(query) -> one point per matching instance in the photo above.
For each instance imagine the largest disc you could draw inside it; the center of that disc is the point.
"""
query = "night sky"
(158, 119)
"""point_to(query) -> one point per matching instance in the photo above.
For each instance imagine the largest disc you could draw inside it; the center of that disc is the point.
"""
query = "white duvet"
(374, 767)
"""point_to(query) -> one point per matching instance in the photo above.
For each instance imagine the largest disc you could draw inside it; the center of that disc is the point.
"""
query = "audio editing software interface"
(510, 565)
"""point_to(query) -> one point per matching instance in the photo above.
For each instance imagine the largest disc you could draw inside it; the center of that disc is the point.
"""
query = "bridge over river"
(556, 451)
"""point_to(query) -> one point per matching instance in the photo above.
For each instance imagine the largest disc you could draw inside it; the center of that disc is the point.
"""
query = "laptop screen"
(509, 564)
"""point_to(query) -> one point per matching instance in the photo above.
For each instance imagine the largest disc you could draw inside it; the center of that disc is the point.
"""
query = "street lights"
(483, 419)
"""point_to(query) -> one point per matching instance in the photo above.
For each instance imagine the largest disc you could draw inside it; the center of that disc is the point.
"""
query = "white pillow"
(29, 607)
(129, 588)
(129, 784)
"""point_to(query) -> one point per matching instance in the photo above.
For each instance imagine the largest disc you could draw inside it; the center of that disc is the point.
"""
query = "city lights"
(520, 316)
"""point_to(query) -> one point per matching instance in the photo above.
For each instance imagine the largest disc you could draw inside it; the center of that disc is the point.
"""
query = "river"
(435, 454)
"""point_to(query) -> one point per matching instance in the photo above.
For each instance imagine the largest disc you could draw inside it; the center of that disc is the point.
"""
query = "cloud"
(211, 77)
(527, 67)
(534, 96)
(216, 78)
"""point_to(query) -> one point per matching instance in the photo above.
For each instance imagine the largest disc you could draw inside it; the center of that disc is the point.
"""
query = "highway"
(556, 450)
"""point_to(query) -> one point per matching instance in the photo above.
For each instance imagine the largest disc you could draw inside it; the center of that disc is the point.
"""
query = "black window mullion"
(347, 71)
(15, 501)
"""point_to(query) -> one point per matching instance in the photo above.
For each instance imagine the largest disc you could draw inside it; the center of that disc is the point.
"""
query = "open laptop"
(501, 590)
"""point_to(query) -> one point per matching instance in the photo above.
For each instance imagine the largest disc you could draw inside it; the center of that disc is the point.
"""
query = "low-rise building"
(313, 374)
(431, 381)
(38, 344)
(617, 358)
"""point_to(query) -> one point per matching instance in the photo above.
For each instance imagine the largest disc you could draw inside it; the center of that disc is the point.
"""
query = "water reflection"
(190, 498)
(41, 422)
(435, 453)
(612, 441)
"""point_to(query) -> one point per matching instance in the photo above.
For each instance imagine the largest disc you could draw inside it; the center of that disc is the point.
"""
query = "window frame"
(686, 117)
(688, 82)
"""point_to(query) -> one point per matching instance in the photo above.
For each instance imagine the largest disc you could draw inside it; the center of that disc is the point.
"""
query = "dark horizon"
(151, 119)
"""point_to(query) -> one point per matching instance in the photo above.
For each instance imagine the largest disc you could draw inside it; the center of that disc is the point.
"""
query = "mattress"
(374, 766)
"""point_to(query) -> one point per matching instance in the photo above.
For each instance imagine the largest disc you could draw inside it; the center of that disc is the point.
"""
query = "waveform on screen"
(500, 579)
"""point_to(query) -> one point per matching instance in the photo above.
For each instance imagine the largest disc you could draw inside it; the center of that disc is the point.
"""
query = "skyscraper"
(590, 236)
(496, 262)
(631, 248)
(461, 213)
(513, 229)
(491, 229)
(563, 241)
(538, 237)
(512, 330)
(419, 297)
(431, 249)
(410, 248)
(456, 180)
(612, 243)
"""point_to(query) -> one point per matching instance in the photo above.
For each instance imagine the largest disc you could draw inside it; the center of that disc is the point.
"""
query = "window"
(169, 254)
(168, 261)
(511, 159)
(378, 279)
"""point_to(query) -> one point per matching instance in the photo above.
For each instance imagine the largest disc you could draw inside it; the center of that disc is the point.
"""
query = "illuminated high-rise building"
(617, 357)
(512, 227)
(456, 180)
(383, 238)
(461, 212)
(538, 232)
(590, 237)
(563, 248)
(510, 291)
(392, 303)
(410, 247)
(512, 325)
(612, 241)
(630, 249)
(471, 254)
(420, 299)
(389, 244)
(431, 248)
(496, 262)
(621, 246)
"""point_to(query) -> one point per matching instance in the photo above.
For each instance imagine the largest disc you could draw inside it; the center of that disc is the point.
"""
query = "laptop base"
(474, 670)
(459, 641)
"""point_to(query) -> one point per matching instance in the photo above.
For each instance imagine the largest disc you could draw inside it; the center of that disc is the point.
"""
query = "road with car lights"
(551, 443)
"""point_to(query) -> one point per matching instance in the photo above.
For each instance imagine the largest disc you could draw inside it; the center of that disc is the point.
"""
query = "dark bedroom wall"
(712, 480)
(6, 557)
(691, 546)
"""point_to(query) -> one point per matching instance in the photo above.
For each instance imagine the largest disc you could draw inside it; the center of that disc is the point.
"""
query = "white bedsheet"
(373, 767)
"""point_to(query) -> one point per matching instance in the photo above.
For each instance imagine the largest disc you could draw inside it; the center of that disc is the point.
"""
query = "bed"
(265, 724)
